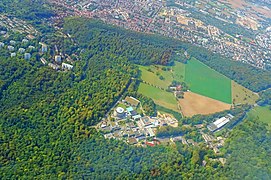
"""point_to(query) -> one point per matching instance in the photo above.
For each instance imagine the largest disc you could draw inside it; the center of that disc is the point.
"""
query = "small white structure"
(27, 56)
(12, 42)
(67, 66)
(31, 47)
(44, 47)
(13, 54)
(2, 44)
(3, 32)
(43, 61)
(25, 41)
(58, 59)
(21, 50)
(10, 48)
(119, 112)
(53, 66)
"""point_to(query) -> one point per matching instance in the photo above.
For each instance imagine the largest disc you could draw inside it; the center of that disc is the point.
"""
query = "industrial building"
(219, 123)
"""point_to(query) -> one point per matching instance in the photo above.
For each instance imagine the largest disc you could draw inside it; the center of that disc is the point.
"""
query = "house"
(10, 48)
(25, 41)
(67, 66)
(54, 66)
(43, 61)
(58, 59)
(12, 54)
(2, 44)
(12, 42)
(21, 50)
(27, 56)
(44, 47)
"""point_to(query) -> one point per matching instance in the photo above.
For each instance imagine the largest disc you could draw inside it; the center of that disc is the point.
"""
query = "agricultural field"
(262, 114)
(179, 71)
(193, 104)
(151, 75)
(159, 96)
(207, 82)
(242, 95)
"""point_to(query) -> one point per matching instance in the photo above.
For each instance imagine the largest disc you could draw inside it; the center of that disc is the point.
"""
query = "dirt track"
(193, 104)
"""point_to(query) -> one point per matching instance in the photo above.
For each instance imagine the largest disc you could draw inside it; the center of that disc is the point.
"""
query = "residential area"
(183, 20)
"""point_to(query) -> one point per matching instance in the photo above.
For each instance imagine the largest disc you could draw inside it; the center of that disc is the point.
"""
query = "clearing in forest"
(194, 104)
(205, 81)
(262, 114)
(242, 95)
(155, 75)
(159, 96)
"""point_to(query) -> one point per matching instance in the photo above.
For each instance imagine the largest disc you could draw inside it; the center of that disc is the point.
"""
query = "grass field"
(205, 81)
(160, 97)
(153, 78)
(263, 114)
(242, 95)
(179, 72)
(193, 104)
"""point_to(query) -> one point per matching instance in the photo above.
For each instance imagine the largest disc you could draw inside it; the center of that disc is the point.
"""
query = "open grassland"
(160, 97)
(262, 114)
(179, 72)
(242, 95)
(193, 104)
(151, 74)
(205, 81)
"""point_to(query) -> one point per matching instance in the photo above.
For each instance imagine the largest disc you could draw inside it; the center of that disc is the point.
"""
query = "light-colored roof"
(221, 122)
(120, 110)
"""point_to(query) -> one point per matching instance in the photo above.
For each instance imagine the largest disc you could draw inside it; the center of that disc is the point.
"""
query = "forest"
(47, 117)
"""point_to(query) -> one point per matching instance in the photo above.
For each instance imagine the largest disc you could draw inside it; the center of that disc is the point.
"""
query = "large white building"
(119, 112)
(219, 123)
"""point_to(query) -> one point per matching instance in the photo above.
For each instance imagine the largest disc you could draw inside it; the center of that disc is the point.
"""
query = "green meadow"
(179, 71)
(151, 74)
(262, 114)
(160, 97)
(205, 81)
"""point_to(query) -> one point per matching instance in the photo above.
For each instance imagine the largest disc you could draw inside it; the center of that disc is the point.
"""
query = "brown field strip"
(193, 104)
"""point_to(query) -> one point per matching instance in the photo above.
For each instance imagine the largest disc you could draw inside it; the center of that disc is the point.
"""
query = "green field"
(205, 81)
(262, 114)
(179, 72)
(242, 95)
(149, 75)
(160, 97)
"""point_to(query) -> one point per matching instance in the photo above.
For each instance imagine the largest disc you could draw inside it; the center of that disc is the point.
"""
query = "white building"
(12, 54)
(27, 56)
(12, 42)
(67, 66)
(58, 59)
(25, 41)
(21, 50)
(2, 44)
(119, 112)
(10, 48)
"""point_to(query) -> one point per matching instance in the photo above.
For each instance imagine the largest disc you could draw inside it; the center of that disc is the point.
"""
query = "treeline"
(26, 9)
(248, 76)
(265, 98)
(98, 158)
(138, 48)
(248, 152)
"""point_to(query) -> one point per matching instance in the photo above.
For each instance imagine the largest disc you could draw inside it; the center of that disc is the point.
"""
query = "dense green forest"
(47, 116)
(248, 152)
